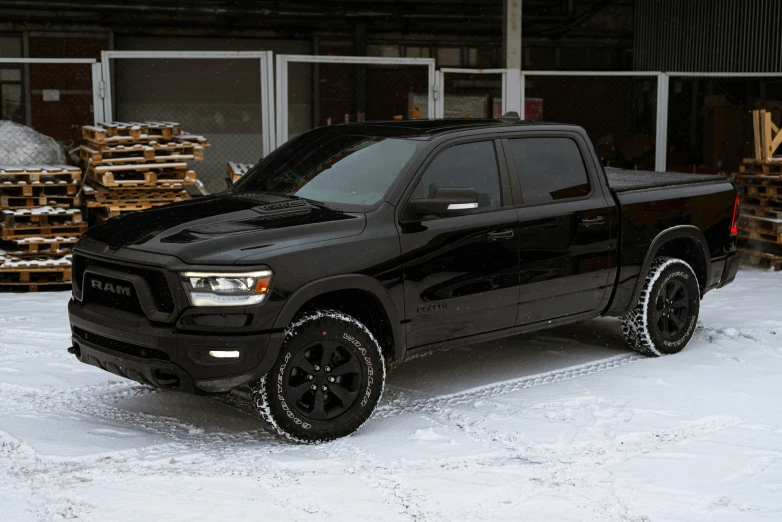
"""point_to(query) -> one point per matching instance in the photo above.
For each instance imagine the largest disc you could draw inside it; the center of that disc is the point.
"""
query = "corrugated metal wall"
(708, 35)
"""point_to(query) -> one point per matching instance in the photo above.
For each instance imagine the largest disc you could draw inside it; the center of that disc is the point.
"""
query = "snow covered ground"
(559, 425)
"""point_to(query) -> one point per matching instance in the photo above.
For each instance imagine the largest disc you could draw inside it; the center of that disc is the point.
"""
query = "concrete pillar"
(511, 36)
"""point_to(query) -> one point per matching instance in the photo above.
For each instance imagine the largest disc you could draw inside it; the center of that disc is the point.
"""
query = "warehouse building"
(655, 82)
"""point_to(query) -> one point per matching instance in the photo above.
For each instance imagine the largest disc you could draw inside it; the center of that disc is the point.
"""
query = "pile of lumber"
(133, 166)
(760, 221)
(39, 225)
(759, 182)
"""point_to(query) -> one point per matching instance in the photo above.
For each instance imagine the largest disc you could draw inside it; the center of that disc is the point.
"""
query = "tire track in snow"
(380, 477)
(401, 405)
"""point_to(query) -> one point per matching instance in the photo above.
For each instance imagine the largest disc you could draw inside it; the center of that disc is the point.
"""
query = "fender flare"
(346, 282)
(677, 232)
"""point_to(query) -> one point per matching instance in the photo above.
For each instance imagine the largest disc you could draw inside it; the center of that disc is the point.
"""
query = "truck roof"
(428, 128)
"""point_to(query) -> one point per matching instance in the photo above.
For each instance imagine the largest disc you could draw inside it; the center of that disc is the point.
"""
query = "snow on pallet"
(39, 246)
(235, 171)
(141, 153)
(25, 274)
(40, 217)
(27, 231)
(33, 173)
(137, 132)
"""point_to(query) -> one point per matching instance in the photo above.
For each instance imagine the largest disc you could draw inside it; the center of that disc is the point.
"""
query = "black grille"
(113, 299)
(156, 280)
(121, 346)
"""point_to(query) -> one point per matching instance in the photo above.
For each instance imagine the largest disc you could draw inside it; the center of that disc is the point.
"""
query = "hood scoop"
(283, 209)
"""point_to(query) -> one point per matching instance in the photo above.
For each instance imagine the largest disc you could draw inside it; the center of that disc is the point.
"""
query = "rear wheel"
(327, 380)
(663, 321)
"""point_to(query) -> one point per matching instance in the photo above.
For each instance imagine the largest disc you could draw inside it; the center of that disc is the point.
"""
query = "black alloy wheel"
(672, 310)
(663, 320)
(324, 380)
(327, 379)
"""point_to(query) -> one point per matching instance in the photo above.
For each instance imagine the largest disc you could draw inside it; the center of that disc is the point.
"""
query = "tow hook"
(75, 351)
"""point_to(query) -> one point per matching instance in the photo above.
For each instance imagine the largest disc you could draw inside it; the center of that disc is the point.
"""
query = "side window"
(549, 169)
(469, 165)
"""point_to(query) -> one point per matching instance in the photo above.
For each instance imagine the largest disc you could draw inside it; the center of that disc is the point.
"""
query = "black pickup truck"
(356, 245)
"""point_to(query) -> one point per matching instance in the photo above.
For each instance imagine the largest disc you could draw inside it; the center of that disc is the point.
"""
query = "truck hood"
(223, 229)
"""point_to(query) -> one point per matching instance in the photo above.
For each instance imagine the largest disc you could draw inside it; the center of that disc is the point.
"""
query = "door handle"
(500, 234)
(591, 222)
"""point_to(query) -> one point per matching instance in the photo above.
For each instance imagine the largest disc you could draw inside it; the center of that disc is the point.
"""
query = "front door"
(564, 228)
(461, 273)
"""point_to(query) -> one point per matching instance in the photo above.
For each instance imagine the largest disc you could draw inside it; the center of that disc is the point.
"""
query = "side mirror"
(449, 201)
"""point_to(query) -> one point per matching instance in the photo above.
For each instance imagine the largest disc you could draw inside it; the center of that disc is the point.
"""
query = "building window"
(449, 57)
(417, 52)
(384, 51)
(11, 91)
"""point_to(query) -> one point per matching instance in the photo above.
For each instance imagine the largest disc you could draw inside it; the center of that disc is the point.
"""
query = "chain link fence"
(618, 112)
(53, 99)
(216, 98)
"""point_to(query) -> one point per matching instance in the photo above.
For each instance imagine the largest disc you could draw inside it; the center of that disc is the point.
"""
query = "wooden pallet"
(759, 235)
(95, 141)
(39, 217)
(30, 274)
(760, 259)
(37, 247)
(140, 154)
(760, 191)
(767, 136)
(106, 211)
(63, 230)
(62, 187)
(764, 201)
(116, 154)
(235, 171)
(41, 200)
(33, 173)
(175, 179)
(760, 211)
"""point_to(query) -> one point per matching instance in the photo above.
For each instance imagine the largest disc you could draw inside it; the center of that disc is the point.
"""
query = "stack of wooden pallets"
(134, 166)
(234, 171)
(759, 182)
(39, 225)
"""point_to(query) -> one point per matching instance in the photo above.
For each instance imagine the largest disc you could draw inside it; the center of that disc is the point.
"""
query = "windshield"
(331, 168)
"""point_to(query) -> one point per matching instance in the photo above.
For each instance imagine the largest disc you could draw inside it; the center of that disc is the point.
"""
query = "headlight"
(227, 289)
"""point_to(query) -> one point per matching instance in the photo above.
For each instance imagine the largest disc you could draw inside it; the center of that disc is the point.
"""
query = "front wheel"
(327, 380)
(663, 320)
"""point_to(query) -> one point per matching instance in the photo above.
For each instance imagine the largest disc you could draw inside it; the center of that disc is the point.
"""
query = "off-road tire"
(654, 326)
(295, 414)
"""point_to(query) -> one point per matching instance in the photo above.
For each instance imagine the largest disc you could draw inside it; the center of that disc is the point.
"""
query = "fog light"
(224, 354)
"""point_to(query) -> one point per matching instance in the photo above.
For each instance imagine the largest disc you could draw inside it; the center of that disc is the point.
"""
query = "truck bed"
(620, 180)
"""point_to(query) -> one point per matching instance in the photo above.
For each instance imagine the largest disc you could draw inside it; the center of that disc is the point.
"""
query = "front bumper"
(132, 346)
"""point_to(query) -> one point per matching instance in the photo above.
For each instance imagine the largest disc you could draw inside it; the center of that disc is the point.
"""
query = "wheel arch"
(329, 290)
(674, 242)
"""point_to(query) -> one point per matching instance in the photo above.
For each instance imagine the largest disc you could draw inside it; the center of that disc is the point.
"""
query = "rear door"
(461, 272)
(564, 226)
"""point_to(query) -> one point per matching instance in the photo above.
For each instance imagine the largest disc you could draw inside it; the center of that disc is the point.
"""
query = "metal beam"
(512, 51)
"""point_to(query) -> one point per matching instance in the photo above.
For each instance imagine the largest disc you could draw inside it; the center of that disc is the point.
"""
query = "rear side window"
(549, 169)
(469, 165)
